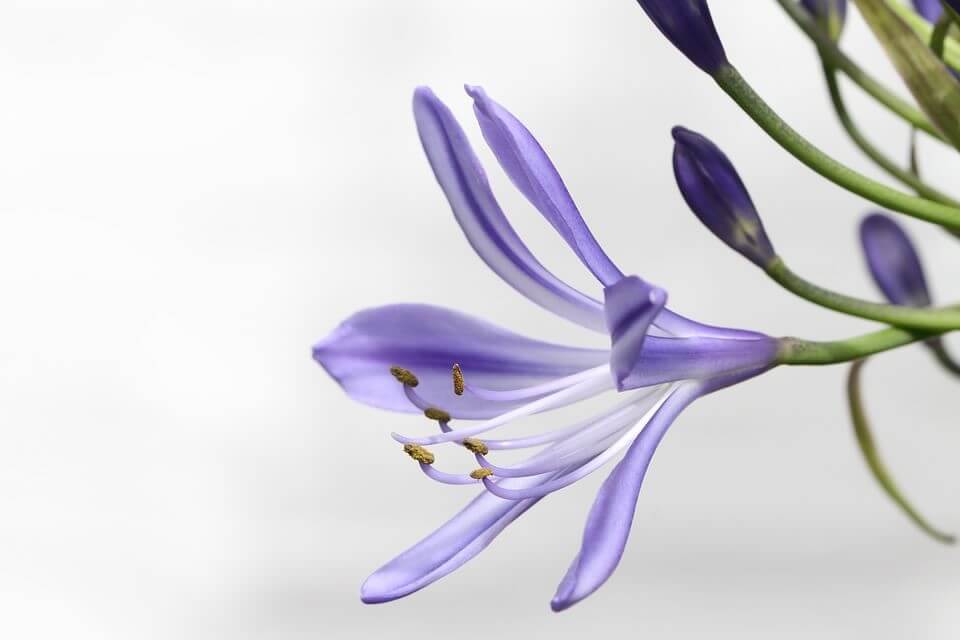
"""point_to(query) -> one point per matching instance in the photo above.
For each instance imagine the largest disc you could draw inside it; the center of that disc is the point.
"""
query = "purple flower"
(689, 26)
(893, 261)
(454, 367)
(715, 193)
(830, 14)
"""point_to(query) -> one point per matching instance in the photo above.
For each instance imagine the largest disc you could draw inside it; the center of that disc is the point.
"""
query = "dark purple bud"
(830, 14)
(893, 261)
(688, 25)
(713, 190)
(929, 9)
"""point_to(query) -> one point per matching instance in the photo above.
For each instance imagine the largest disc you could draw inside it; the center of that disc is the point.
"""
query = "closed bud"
(715, 193)
(830, 14)
(688, 25)
(893, 261)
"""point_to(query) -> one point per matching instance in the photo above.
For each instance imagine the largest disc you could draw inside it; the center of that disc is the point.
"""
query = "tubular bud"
(893, 261)
(714, 192)
(687, 24)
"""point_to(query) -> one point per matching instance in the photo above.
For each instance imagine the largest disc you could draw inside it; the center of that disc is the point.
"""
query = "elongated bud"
(893, 261)
(713, 190)
(689, 26)
(830, 14)
(930, 9)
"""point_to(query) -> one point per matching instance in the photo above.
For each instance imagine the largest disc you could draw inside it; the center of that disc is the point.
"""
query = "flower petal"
(428, 340)
(462, 179)
(611, 516)
(527, 164)
(630, 306)
(447, 548)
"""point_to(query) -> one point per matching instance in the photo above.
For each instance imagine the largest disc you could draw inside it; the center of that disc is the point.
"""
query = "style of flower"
(453, 367)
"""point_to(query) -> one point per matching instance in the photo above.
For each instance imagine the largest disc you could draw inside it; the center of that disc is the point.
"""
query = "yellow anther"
(404, 376)
(457, 380)
(481, 473)
(418, 453)
(476, 446)
(436, 414)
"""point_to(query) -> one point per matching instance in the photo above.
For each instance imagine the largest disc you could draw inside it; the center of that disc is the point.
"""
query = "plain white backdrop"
(192, 193)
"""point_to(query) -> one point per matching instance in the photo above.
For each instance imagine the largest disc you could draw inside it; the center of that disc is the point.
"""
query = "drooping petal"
(428, 340)
(893, 261)
(463, 181)
(630, 306)
(530, 169)
(611, 516)
(447, 548)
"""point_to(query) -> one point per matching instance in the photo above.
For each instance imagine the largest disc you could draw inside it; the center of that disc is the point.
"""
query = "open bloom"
(453, 367)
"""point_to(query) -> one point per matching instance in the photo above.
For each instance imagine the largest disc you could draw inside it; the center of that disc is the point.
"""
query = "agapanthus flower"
(453, 367)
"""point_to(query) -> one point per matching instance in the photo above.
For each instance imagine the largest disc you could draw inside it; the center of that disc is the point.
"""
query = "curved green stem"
(871, 455)
(835, 56)
(938, 38)
(924, 319)
(730, 80)
(943, 356)
(795, 351)
(881, 159)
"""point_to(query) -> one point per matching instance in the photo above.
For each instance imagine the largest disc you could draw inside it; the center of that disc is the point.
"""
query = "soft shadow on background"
(194, 193)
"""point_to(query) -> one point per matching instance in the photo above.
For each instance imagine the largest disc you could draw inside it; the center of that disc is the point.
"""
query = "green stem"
(830, 52)
(871, 455)
(730, 80)
(881, 159)
(938, 39)
(923, 29)
(923, 319)
(794, 351)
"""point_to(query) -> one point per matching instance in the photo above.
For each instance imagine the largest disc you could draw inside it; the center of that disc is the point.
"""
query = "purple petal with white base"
(611, 517)
(428, 340)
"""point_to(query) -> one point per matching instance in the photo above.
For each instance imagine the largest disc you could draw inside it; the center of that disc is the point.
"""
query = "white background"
(193, 193)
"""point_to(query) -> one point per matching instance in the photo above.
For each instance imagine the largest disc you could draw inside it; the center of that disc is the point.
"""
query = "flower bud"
(830, 14)
(714, 192)
(688, 25)
(929, 9)
(893, 261)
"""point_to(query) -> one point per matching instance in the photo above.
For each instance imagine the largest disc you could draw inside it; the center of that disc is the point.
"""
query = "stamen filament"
(447, 478)
(580, 391)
